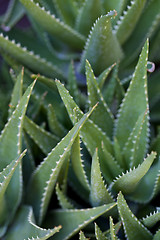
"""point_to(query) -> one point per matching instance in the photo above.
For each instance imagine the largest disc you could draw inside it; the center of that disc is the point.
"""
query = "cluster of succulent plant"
(79, 144)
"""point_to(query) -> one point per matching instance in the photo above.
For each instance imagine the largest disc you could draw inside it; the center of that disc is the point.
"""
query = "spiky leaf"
(102, 48)
(98, 194)
(133, 228)
(74, 220)
(129, 110)
(129, 181)
(45, 176)
(24, 227)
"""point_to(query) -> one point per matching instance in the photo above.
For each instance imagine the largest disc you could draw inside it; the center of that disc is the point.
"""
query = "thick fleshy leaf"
(128, 182)
(152, 219)
(82, 236)
(77, 164)
(90, 130)
(66, 10)
(99, 234)
(127, 22)
(98, 193)
(90, 10)
(45, 140)
(118, 154)
(110, 167)
(132, 107)
(45, 176)
(134, 149)
(157, 235)
(54, 124)
(102, 48)
(102, 117)
(133, 228)
(63, 200)
(5, 178)
(147, 25)
(103, 76)
(53, 25)
(24, 227)
(16, 93)
(112, 230)
(72, 83)
(29, 59)
(12, 136)
(74, 220)
(145, 193)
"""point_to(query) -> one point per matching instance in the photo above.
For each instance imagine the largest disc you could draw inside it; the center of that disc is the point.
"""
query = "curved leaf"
(28, 58)
(53, 25)
(90, 10)
(24, 227)
(102, 117)
(45, 140)
(133, 228)
(127, 22)
(132, 107)
(74, 220)
(102, 48)
(128, 182)
(45, 176)
(98, 193)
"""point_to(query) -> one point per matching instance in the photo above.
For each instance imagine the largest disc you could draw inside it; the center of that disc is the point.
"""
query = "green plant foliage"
(91, 168)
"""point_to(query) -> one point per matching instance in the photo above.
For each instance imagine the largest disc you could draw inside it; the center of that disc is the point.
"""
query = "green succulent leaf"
(45, 140)
(144, 192)
(66, 10)
(99, 234)
(54, 124)
(144, 29)
(118, 154)
(127, 22)
(72, 83)
(90, 130)
(82, 236)
(90, 10)
(77, 164)
(74, 220)
(112, 229)
(110, 89)
(5, 178)
(129, 110)
(103, 76)
(16, 93)
(102, 117)
(133, 228)
(110, 167)
(28, 58)
(11, 137)
(45, 176)
(53, 25)
(157, 235)
(24, 227)
(128, 182)
(152, 219)
(98, 193)
(63, 200)
(134, 149)
(102, 48)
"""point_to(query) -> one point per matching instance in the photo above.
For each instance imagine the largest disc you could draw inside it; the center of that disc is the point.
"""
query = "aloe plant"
(71, 159)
